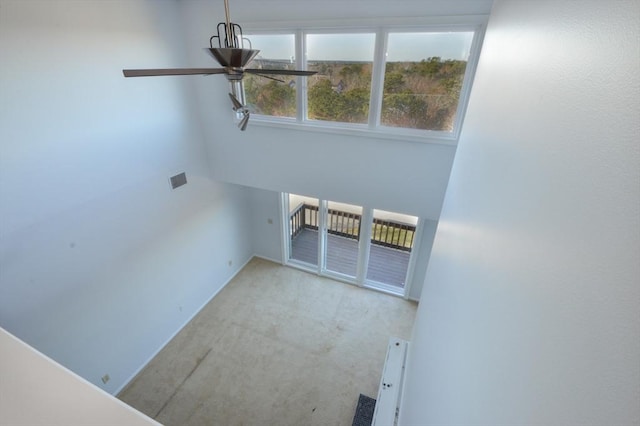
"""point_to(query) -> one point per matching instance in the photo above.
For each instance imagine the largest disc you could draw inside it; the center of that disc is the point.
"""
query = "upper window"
(423, 78)
(392, 81)
(341, 91)
(267, 95)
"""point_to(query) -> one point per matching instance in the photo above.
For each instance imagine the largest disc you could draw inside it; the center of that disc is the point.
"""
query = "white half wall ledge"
(36, 390)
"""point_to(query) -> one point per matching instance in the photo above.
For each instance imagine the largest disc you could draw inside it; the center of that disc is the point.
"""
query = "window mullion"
(377, 78)
(364, 247)
(301, 64)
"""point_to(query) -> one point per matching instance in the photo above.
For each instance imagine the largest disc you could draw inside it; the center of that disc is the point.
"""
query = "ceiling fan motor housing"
(233, 57)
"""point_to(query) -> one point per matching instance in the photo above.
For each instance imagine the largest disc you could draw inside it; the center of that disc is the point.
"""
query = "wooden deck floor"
(386, 265)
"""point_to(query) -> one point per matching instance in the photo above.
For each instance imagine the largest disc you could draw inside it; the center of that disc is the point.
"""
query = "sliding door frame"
(364, 249)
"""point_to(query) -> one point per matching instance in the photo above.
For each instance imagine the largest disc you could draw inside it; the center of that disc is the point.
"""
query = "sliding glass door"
(303, 229)
(392, 240)
(367, 247)
(341, 233)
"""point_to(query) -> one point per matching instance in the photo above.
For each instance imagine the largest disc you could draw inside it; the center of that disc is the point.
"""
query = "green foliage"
(351, 70)
(393, 82)
(273, 98)
(277, 99)
(421, 95)
(428, 96)
(451, 68)
(323, 101)
(354, 106)
(391, 67)
(405, 109)
(426, 68)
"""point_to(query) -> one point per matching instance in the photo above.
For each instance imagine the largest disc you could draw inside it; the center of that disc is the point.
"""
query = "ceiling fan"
(233, 58)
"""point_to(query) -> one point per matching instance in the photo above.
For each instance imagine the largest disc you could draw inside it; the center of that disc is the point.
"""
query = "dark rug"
(364, 411)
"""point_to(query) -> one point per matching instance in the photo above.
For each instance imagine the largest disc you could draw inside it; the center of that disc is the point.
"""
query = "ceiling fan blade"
(280, 72)
(173, 71)
(270, 78)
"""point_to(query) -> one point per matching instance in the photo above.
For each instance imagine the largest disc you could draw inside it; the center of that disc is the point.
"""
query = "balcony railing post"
(393, 234)
(385, 233)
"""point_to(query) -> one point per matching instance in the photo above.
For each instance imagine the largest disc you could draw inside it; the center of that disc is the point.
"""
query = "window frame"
(381, 27)
(305, 99)
(298, 65)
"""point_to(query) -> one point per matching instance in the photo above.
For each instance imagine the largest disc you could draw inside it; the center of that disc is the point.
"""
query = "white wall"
(330, 166)
(266, 237)
(100, 261)
(530, 309)
(37, 391)
(422, 257)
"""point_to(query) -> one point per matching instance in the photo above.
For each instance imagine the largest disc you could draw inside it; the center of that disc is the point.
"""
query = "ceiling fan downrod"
(231, 41)
(232, 55)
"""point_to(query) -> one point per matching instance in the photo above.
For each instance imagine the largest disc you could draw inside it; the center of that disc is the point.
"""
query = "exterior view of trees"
(422, 95)
(418, 95)
(268, 96)
(340, 91)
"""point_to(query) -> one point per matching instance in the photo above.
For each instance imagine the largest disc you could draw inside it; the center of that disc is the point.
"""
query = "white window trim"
(381, 27)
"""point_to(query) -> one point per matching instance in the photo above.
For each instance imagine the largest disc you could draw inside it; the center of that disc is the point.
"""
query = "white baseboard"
(278, 261)
(154, 354)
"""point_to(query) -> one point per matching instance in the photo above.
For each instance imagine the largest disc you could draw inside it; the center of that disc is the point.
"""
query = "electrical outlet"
(105, 378)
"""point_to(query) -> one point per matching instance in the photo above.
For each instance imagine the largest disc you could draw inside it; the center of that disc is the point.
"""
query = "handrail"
(392, 234)
(296, 221)
(344, 224)
(387, 233)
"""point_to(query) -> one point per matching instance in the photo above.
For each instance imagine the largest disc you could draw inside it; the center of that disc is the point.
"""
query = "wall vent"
(178, 180)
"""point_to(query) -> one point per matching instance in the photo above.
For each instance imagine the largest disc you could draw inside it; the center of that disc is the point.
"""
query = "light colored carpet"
(277, 346)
